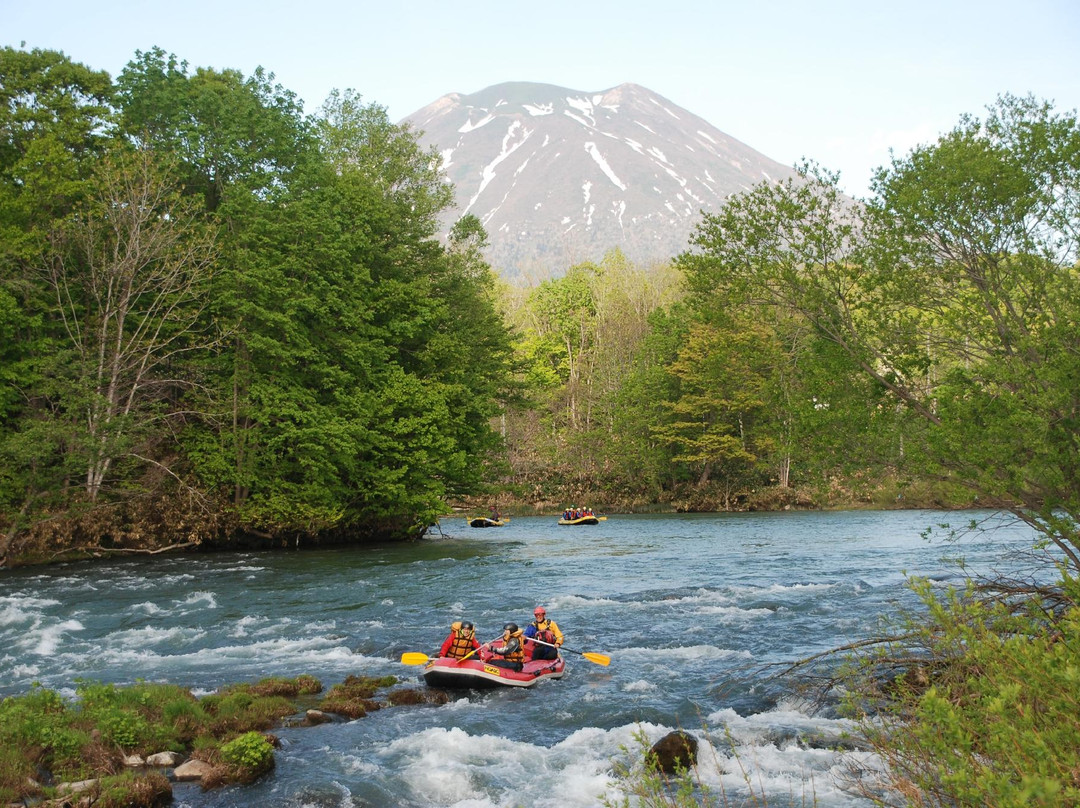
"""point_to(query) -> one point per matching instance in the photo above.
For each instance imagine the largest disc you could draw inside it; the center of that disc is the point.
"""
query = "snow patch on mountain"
(600, 161)
(469, 126)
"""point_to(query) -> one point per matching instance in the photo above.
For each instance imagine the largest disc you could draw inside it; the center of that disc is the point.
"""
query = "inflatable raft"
(483, 521)
(447, 672)
(582, 520)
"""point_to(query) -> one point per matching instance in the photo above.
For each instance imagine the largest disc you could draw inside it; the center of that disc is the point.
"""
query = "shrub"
(63, 747)
(991, 715)
(289, 688)
(353, 697)
(241, 711)
(248, 756)
(41, 732)
(125, 729)
(251, 749)
(15, 773)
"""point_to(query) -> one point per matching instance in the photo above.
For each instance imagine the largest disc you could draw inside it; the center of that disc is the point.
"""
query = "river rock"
(313, 717)
(192, 770)
(163, 759)
(133, 761)
(676, 749)
(77, 787)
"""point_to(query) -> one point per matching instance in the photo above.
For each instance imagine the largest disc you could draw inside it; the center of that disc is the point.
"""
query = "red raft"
(447, 672)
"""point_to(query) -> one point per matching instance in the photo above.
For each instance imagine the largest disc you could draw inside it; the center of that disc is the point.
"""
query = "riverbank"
(158, 528)
(123, 747)
(849, 494)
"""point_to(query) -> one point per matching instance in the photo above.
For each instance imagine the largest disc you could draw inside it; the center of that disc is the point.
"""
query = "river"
(690, 608)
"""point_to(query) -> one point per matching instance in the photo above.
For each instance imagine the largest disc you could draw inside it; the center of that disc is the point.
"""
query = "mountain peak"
(560, 176)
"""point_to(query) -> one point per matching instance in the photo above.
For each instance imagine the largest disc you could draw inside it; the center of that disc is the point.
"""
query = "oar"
(473, 651)
(599, 659)
(416, 658)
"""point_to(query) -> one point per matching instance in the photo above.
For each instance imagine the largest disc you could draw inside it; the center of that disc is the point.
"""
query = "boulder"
(191, 771)
(313, 717)
(76, 787)
(133, 761)
(163, 759)
(675, 750)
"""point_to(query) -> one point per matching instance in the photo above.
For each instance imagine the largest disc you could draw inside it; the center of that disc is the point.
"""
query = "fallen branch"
(801, 663)
(98, 549)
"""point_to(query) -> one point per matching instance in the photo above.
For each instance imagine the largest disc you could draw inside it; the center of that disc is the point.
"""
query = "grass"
(46, 739)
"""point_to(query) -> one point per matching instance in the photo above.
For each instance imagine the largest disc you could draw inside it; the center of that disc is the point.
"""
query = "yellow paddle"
(599, 659)
(416, 658)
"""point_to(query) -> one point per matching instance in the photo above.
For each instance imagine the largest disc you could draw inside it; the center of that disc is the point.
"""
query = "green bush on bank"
(990, 715)
(250, 755)
(88, 737)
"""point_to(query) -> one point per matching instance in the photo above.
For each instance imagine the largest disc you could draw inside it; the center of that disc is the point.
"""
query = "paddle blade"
(599, 659)
(414, 658)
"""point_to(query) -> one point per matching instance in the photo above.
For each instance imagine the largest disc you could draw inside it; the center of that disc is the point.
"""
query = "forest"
(228, 322)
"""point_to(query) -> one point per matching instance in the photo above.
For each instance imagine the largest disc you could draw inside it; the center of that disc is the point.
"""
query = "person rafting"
(461, 641)
(545, 630)
(511, 654)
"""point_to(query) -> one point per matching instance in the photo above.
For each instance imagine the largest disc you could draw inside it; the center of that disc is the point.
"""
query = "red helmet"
(539, 610)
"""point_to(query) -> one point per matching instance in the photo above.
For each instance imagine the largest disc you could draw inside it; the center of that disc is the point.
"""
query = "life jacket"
(544, 633)
(519, 654)
(461, 645)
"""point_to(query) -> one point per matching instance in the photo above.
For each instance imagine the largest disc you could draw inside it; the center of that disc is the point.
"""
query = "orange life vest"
(460, 646)
(519, 654)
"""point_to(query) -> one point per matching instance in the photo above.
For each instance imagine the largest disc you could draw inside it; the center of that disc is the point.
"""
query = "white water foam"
(689, 653)
(151, 635)
(47, 640)
(447, 767)
(640, 686)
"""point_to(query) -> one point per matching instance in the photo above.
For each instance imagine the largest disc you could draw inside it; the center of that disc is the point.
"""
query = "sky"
(838, 82)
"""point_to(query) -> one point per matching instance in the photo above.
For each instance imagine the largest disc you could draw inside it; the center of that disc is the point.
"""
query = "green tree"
(579, 337)
(640, 458)
(227, 132)
(55, 122)
(356, 342)
(562, 318)
(977, 237)
(717, 421)
(953, 291)
(130, 273)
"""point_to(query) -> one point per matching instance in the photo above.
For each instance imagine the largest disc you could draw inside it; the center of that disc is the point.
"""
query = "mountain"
(560, 176)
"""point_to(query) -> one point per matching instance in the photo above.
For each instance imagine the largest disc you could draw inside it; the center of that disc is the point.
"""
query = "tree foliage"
(953, 290)
(233, 320)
